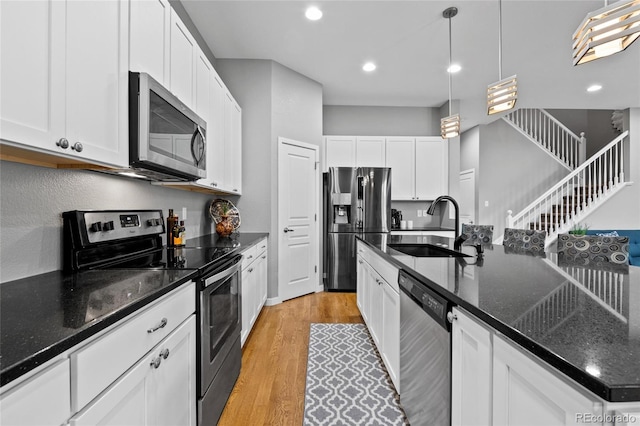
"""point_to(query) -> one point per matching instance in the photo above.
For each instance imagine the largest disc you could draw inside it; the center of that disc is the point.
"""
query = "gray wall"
(33, 198)
(380, 121)
(276, 102)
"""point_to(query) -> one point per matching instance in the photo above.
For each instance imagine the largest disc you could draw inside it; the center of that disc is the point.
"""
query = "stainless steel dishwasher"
(425, 353)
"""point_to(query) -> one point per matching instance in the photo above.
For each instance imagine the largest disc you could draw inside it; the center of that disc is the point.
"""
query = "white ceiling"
(408, 40)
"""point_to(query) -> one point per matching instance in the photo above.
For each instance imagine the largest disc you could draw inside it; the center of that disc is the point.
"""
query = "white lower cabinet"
(253, 293)
(158, 390)
(524, 392)
(471, 371)
(379, 303)
(41, 400)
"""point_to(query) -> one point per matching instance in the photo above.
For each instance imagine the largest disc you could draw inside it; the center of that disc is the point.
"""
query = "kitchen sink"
(426, 250)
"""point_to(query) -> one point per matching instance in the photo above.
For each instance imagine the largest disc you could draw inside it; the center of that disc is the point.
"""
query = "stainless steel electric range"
(113, 239)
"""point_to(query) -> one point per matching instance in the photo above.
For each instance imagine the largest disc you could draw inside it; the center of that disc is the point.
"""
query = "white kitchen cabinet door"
(69, 95)
(370, 151)
(182, 60)
(96, 80)
(391, 332)
(400, 153)
(432, 168)
(150, 395)
(470, 371)
(43, 399)
(375, 307)
(247, 296)
(262, 279)
(362, 288)
(32, 54)
(340, 151)
(524, 392)
(215, 134)
(232, 145)
(149, 38)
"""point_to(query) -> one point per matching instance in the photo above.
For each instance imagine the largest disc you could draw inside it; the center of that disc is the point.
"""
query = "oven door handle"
(224, 274)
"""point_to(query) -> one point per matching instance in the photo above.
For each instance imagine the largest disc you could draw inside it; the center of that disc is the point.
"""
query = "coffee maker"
(396, 217)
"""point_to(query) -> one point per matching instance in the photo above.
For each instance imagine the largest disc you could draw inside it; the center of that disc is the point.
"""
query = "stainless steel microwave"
(167, 140)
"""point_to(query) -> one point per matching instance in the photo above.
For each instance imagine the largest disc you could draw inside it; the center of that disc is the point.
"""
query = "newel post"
(509, 222)
(582, 148)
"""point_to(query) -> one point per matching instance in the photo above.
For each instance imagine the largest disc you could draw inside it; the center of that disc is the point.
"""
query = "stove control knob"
(96, 227)
(108, 226)
(152, 222)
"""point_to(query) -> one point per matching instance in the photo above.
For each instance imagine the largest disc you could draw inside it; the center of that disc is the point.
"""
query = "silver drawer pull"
(155, 363)
(165, 354)
(250, 269)
(250, 257)
(162, 324)
(264, 257)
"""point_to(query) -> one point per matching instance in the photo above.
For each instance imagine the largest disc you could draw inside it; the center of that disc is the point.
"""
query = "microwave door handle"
(197, 158)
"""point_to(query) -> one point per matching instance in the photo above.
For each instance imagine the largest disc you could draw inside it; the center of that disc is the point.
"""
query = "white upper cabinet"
(232, 145)
(183, 52)
(370, 151)
(401, 159)
(419, 167)
(340, 151)
(432, 167)
(149, 38)
(64, 80)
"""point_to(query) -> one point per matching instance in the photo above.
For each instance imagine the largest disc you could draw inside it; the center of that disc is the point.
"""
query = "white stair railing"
(549, 134)
(566, 203)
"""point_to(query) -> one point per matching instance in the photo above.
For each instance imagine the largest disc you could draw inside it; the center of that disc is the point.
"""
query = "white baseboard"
(272, 301)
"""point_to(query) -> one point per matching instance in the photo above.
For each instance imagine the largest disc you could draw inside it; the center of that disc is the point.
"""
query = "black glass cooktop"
(175, 258)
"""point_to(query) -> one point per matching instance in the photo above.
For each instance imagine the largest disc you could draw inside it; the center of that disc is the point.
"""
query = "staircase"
(550, 135)
(573, 198)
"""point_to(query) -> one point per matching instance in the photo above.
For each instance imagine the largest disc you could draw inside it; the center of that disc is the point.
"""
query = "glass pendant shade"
(502, 95)
(450, 126)
(606, 31)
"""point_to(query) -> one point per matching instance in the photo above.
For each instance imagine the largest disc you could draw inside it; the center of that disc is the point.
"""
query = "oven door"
(219, 318)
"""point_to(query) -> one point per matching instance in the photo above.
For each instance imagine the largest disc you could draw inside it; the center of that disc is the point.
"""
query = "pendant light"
(450, 126)
(606, 31)
(501, 95)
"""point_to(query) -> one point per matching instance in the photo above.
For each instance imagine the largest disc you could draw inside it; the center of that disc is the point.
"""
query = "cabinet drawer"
(386, 270)
(41, 400)
(261, 246)
(97, 365)
(249, 256)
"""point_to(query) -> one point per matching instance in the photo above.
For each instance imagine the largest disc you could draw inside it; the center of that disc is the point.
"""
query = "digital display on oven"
(129, 220)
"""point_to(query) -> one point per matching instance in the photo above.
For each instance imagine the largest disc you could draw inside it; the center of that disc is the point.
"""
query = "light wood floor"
(270, 389)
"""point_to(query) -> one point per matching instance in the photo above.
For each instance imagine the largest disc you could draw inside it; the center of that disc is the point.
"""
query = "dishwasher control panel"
(434, 304)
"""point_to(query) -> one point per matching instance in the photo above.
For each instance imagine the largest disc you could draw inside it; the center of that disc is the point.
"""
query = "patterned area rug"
(347, 383)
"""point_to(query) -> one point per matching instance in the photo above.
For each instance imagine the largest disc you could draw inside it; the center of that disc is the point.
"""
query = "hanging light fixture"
(450, 126)
(501, 95)
(606, 31)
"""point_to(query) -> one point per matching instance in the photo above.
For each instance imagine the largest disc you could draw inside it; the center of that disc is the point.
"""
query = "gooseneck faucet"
(458, 239)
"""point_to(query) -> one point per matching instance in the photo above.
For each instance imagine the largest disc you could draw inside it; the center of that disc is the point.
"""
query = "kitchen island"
(581, 324)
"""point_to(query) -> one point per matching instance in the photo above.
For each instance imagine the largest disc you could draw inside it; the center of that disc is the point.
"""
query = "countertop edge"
(620, 393)
(17, 370)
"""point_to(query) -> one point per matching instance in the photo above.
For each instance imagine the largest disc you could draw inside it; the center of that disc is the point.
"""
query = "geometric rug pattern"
(347, 383)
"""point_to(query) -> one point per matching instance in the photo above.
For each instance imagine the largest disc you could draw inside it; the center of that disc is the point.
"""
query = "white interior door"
(467, 199)
(298, 186)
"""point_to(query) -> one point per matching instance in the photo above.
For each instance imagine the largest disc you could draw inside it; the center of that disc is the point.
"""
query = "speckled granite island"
(583, 323)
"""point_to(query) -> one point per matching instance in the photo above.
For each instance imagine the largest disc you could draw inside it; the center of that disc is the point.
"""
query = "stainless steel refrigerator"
(356, 200)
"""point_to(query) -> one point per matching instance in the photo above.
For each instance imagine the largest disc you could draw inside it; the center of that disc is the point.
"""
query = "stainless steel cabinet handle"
(451, 317)
(250, 269)
(77, 147)
(288, 230)
(155, 363)
(163, 323)
(250, 257)
(264, 257)
(165, 354)
(63, 143)
(360, 261)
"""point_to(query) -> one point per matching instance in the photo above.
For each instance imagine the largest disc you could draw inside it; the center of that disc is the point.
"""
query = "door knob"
(288, 230)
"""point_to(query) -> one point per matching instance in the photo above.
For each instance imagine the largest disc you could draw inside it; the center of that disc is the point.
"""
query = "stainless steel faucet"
(457, 243)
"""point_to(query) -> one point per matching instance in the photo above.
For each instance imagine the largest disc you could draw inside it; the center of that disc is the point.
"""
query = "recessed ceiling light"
(454, 68)
(369, 66)
(594, 88)
(313, 13)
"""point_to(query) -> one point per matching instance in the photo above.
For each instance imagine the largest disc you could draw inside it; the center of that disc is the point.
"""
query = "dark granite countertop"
(584, 323)
(44, 315)
(422, 229)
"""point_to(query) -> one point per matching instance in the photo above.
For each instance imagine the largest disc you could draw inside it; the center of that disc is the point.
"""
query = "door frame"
(472, 174)
(315, 229)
